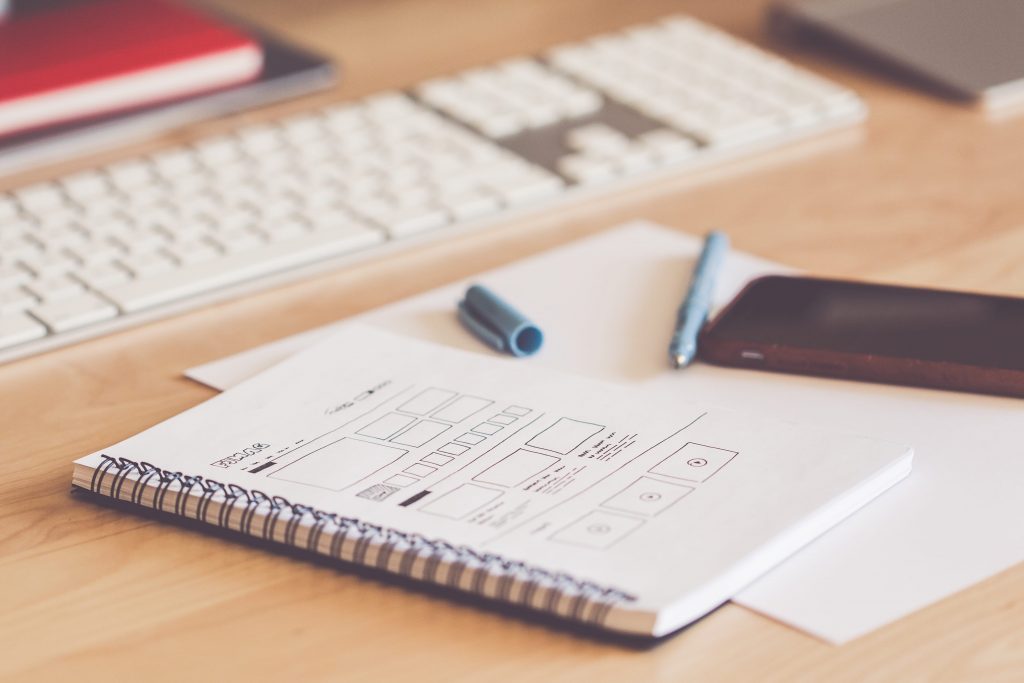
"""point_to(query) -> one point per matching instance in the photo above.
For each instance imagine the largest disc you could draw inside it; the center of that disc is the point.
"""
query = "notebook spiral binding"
(484, 574)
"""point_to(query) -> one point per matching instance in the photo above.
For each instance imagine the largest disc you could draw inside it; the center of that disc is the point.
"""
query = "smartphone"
(873, 332)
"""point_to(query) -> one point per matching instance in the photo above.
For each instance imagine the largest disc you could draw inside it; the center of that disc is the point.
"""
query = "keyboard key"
(141, 241)
(74, 312)
(174, 163)
(178, 283)
(259, 139)
(470, 204)
(127, 175)
(63, 237)
(636, 159)
(18, 328)
(389, 105)
(14, 300)
(303, 129)
(64, 217)
(99, 275)
(597, 138)
(410, 221)
(193, 251)
(238, 239)
(284, 229)
(85, 186)
(96, 252)
(668, 146)
(584, 169)
(217, 150)
(8, 208)
(530, 189)
(539, 115)
(18, 247)
(499, 125)
(146, 264)
(182, 189)
(581, 103)
(738, 131)
(276, 209)
(40, 198)
(101, 209)
(54, 287)
(48, 263)
(344, 118)
(11, 275)
(232, 218)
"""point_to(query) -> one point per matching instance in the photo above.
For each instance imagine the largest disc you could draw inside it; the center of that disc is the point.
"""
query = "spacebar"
(233, 268)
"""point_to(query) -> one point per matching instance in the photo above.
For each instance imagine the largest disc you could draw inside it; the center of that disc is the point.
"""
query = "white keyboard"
(91, 252)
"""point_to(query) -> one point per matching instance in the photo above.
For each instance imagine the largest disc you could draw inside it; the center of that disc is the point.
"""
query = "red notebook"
(105, 55)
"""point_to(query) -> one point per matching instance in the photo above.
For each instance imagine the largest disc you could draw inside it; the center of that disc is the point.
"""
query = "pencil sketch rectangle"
(339, 464)
(462, 501)
(421, 433)
(386, 426)
(565, 435)
(427, 401)
(516, 468)
(461, 408)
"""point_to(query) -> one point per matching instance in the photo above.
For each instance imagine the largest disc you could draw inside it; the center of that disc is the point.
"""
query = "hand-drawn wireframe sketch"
(377, 492)
(461, 501)
(420, 433)
(598, 530)
(453, 448)
(565, 436)
(339, 464)
(487, 428)
(418, 469)
(694, 462)
(386, 426)
(647, 496)
(437, 459)
(516, 467)
(461, 409)
(427, 401)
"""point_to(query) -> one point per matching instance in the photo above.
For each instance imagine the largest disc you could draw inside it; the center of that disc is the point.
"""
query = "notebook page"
(566, 473)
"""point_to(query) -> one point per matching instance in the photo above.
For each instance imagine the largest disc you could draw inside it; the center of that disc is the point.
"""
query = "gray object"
(970, 49)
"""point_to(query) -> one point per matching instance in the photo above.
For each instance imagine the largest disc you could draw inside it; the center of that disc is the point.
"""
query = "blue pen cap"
(497, 324)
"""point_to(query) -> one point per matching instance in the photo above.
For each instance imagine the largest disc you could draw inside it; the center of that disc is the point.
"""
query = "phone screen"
(868, 319)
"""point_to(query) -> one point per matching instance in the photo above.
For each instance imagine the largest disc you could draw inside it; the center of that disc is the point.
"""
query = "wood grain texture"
(929, 194)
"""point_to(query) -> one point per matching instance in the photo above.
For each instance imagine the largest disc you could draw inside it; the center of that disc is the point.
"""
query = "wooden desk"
(932, 194)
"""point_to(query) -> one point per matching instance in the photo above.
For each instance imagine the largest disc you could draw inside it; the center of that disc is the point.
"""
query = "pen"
(694, 310)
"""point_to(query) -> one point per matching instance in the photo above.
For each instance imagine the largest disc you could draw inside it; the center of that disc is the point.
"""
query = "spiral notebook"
(584, 500)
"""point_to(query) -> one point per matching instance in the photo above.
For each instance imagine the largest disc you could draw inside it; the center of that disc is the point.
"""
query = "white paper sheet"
(561, 472)
(606, 305)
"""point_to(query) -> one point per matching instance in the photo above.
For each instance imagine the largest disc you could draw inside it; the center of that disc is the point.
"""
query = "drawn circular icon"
(650, 496)
(599, 528)
(696, 462)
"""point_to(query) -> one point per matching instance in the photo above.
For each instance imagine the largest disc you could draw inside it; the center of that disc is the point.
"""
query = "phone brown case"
(862, 367)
